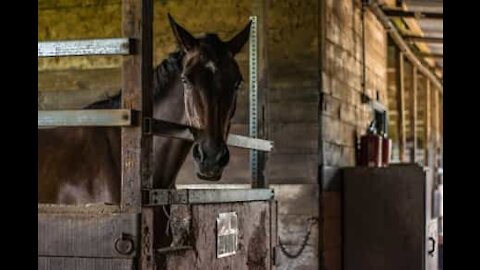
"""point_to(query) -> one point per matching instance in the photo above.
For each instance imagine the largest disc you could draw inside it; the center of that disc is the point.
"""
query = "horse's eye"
(185, 80)
(238, 85)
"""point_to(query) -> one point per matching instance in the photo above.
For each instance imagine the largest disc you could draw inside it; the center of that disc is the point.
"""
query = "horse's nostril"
(224, 157)
(198, 153)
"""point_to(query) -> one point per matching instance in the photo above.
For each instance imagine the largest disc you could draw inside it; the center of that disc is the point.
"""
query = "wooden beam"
(427, 121)
(402, 44)
(397, 12)
(413, 114)
(426, 39)
(431, 55)
(137, 145)
(74, 235)
(436, 129)
(401, 105)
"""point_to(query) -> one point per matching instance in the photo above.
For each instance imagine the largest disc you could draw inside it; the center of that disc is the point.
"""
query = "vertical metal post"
(253, 99)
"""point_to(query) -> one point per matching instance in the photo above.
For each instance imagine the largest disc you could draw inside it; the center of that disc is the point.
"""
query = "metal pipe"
(402, 45)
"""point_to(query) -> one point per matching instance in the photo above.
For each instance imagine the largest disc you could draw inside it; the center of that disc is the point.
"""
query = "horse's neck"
(169, 154)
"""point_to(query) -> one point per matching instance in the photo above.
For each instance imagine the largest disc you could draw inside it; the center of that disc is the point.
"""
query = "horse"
(196, 85)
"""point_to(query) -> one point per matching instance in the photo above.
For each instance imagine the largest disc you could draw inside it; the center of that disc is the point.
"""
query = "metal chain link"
(311, 221)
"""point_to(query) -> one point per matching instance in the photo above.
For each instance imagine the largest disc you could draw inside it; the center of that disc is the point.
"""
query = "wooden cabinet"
(388, 220)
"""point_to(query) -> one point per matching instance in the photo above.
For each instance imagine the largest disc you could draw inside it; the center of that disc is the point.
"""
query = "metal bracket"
(158, 197)
(147, 126)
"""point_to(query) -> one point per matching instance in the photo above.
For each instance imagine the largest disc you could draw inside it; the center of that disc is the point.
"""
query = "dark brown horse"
(196, 86)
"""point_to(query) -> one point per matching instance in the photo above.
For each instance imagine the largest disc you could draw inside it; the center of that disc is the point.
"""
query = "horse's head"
(211, 78)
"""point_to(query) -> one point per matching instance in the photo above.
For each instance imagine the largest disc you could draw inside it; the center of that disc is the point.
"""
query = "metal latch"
(147, 126)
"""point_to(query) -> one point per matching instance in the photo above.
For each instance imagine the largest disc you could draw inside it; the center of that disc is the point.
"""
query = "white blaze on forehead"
(210, 65)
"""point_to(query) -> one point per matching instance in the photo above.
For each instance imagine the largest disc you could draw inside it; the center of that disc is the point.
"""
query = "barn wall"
(343, 116)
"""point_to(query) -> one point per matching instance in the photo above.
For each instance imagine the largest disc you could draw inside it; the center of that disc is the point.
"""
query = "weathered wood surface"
(137, 146)
(391, 234)
(428, 123)
(400, 84)
(137, 82)
(291, 196)
(72, 263)
(98, 79)
(111, 46)
(413, 115)
(95, 208)
(85, 235)
(71, 100)
(254, 239)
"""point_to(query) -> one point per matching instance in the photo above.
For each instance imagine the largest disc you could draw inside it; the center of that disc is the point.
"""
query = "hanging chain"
(311, 221)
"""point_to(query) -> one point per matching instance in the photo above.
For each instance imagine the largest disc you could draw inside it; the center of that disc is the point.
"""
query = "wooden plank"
(137, 145)
(98, 79)
(305, 138)
(436, 128)
(72, 100)
(254, 243)
(291, 196)
(110, 46)
(428, 123)
(413, 115)
(302, 168)
(401, 104)
(85, 118)
(85, 235)
(73, 263)
(94, 208)
(137, 70)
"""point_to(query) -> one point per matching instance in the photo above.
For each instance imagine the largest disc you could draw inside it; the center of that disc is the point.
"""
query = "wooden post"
(401, 104)
(441, 130)
(137, 71)
(436, 128)
(413, 114)
(427, 123)
(137, 95)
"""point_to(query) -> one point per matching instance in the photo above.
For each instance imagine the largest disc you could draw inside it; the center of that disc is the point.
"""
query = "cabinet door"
(431, 248)
(384, 218)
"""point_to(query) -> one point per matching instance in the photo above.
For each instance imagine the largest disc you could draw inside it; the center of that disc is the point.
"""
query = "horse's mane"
(163, 75)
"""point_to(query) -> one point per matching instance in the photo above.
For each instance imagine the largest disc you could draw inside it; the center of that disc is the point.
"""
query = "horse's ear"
(184, 39)
(238, 41)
